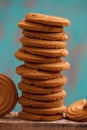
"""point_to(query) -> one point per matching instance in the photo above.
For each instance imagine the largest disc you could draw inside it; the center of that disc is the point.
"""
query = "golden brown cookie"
(27, 25)
(85, 105)
(22, 55)
(33, 42)
(35, 74)
(53, 67)
(76, 111)
(46, 52)
(60, 80)
(62, 36)
(44, 111)
(45, 97)
(39, 90)
(47, 19)
(34, 117)
(40, 104)
(8, 95)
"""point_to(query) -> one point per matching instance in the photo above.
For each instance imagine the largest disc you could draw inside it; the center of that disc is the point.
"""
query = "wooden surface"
(11, 122)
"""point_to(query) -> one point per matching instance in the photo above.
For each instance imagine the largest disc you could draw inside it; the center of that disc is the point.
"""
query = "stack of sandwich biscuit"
(43, 46)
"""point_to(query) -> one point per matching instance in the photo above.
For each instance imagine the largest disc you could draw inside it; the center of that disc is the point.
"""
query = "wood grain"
(11, 122)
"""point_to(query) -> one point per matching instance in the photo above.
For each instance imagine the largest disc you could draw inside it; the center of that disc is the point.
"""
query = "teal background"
(12, 11)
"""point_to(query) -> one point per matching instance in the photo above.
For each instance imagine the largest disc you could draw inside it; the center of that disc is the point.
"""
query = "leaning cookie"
(8, 95)
(33, 42)
(77, 111)
(46, 52)
(36, 117)
(38, 90)
(35, 74)
(38, 27)
(45, 111)
(22, 55)
(45, 97)
(53, 67)
(47, 19)
(62, 36)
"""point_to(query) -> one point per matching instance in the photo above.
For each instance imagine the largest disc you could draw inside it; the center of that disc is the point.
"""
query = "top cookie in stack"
(43, 46)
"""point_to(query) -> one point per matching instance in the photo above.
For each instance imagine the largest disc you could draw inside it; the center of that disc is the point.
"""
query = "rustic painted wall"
(12, 11)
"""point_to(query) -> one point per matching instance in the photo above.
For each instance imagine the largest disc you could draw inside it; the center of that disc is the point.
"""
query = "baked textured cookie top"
(47, 19)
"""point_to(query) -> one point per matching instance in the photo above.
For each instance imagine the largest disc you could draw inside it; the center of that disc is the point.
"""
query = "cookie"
(35, 74)
(53, 67)
(85, 105)
(46, 52)
(34, 117)
(47, 19)
(40, 104)
(62, 36)
(22, 55)
(8, 95)
(38, 90)
(60, 80)
(33, 42)
(45, 111)
(76, 111)
(45, 97)
(38, 27)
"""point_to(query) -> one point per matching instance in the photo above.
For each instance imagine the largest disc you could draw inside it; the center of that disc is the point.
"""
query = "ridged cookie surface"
(8, 95)
(77, 111)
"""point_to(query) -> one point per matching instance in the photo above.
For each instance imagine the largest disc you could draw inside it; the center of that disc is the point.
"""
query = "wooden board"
(11, 122)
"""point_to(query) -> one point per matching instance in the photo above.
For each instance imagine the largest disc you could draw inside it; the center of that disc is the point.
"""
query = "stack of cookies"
(43, 46)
